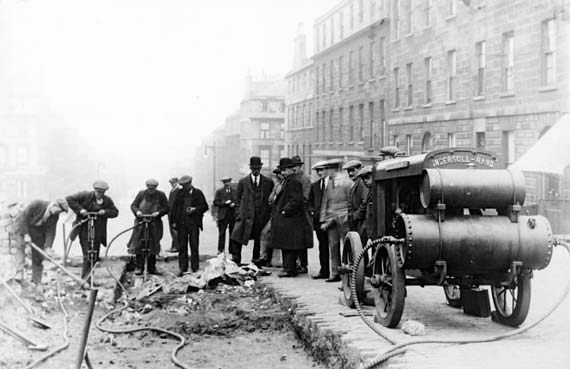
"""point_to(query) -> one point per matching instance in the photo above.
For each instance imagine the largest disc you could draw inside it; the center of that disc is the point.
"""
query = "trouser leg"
(194, 248)
(222, 226)
(37, 266)
(20, 253)
(151, 263)
(334, 251)
(235, 250)
(183, 247)
(323, 238)
(256, 247)
(290, 261)
(303, 258)
(139, 261)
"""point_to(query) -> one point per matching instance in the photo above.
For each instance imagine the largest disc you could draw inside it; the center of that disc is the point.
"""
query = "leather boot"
(37, 271)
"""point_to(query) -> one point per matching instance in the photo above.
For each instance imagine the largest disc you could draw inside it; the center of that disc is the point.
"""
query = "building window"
(451, 72)
(360, 121)
(324, 126)
(317, 128)
(452, 7)
(549, 52)
(351, 123)
(331, 76)
(331, 133)
(428, 12)
(264, 130)
(324, 78)
(396, 141)
(451, 139)
(360, 64)
(396, 89)
(371, 59)
(409, 143)
(332, 30)
(341, 25)
(340, 70)
(371, 120)
(282, 131)
(382, 61)
(360, 11)
(264, 155)
(481, 65)
(410, 85)
(508, 60)
(324, 35)
(410, 17)
(340, 123)
(318, 37)
(508, 147)
(351, 20)
(318, 80)
(426, 142)
(396, 20)
(350, 67)
(480, 140)
(264, 106)
(427, 62)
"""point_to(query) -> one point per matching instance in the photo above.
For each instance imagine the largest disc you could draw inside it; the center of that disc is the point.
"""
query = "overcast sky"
(141, 69)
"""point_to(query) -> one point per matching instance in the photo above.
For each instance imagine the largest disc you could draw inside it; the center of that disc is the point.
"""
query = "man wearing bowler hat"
(224, 200)
(92, 202)
(175, 187)
(306, 182)
(154, 203)
(187, 213)
(253, 209)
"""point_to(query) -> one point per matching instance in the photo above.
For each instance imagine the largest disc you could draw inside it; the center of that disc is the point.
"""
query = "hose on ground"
(400, 348)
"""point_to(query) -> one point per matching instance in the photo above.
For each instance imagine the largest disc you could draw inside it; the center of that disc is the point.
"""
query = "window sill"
(372, 80)
(331, 92)
(426, 106)
(409, 108)
(382, 77)
(361, 142)
(361, 83)
(478, 98)
(340, 90)
(396, 40)
(395, 110)
(507, 94)
(450, 102)
(351, 86)
(409, 35)
(547, 89)
(451, 17)
(427, 28)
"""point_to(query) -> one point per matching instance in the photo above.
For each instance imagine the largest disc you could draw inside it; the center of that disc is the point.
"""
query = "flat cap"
(320, 164)
(173, 180)
(352, 164)
(100, 185)
(389, 150)
(185, 179)
(366, 170)
(151, 182)
(226, 179)
(334, 162)
(63, 205)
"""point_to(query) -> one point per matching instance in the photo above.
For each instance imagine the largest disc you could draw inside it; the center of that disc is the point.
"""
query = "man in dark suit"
(224, 201)
(187, 213)
(92, 202)
(171, 196)
(357, 202)
(315, 202)
(252, 202)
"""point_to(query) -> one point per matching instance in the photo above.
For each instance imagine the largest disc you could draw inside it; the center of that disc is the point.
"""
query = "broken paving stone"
(184, 284)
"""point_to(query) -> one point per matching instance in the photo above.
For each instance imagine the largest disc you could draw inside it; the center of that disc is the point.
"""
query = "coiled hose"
(400, 348)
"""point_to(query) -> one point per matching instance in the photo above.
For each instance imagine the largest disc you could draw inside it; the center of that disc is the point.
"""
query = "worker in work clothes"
(91, 202)
(148, 202)
(38, 220)
(224, 201)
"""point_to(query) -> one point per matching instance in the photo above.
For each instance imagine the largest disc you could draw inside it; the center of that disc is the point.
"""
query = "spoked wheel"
(352, 248)
(512, 302)
(453, 295)
(390, 279)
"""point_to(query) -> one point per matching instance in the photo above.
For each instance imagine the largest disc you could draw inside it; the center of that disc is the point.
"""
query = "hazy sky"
(148, 72)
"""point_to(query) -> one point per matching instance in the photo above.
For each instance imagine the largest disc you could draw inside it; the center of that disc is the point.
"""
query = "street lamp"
(213, 148)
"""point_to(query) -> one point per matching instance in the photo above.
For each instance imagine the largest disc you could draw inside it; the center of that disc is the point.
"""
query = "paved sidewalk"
(318, 318)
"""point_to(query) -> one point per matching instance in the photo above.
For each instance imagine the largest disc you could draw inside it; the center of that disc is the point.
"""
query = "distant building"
(299, 122)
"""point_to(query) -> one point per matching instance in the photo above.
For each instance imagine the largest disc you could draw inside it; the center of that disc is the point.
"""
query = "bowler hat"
(100, 185)
(297, 160)
(352, 164)
(185, 179)
(151, 182)
(286, 163)
(255, 162)
(226, 179)
(320, 165)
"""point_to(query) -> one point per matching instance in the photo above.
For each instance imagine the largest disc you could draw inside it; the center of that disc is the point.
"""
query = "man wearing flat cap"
(358, 194)
(86, 202)
(187, 213)
(365, 174)
(154, 203)
(224, 199)
(175, 186)
(315, 202)
(290, 230)
(253, 210)
(38, 221)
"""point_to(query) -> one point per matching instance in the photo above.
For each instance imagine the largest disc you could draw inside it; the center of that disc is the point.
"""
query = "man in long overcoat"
(224, 200)
(175, 187)
(148, 202)
(92, 202)
(187, 214)
(38, 220)
(315, 200)
(290, 229)
(252, 202)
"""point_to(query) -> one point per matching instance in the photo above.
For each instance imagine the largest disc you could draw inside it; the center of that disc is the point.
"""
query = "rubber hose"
(399, 348)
